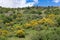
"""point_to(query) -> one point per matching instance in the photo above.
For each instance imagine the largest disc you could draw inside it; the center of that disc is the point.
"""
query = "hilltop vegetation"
(35, 23)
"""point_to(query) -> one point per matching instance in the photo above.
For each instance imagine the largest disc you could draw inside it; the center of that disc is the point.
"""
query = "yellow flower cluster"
(34, 22)
(3, 32)
(46, 20)
(27, 25)
(41, 21)
(31, 23)
(20, 33)
(18, 27)
(0, 31)
(50, 21)
(52, 16)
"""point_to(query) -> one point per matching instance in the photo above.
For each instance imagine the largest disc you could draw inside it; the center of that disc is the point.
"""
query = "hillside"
(30, 23)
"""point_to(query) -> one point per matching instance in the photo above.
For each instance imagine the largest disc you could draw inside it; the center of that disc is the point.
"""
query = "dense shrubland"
(35, 23)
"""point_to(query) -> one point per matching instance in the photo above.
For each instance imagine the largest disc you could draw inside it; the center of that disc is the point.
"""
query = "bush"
(3, 38)
(3, 32)
(58, 30)
(58, 20)
(20, 33)
(46, 35)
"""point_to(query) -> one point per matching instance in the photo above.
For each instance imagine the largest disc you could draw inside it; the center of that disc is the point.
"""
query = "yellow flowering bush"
(34, 22)
(41, 20)
(20, 33)
(27, 25)
(46, 20)
(3, 32)
(50, 21)
(31, 24)
(18, 27)
(0, 31)
(51, 16)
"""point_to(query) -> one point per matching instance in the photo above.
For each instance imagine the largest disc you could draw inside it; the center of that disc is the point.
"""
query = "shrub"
(46, 35)
(3, 38)
(58, 20)
(27, 25)
(57, 30)
(5, 32)
(20, 33)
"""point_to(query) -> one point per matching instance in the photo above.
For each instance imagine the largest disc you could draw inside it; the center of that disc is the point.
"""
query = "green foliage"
(58, 20)
(35, 23)
(3, 38)
(47, 35)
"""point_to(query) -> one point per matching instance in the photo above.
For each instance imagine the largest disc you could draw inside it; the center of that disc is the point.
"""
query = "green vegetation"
(35, 23)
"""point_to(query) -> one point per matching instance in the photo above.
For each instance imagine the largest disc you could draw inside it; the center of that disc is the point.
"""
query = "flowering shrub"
(46, 20)
(42, 20)
(27, 25)
(51, 16)
(0, 31)
(20, 33)
(18, 27)
(34, 22)
(50, 21)
(3, 32)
